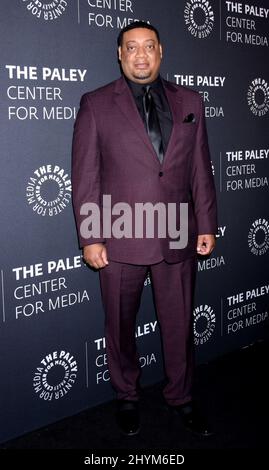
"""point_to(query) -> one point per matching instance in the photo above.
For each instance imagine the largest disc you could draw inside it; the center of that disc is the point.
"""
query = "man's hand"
(95, 255)
(205, 244)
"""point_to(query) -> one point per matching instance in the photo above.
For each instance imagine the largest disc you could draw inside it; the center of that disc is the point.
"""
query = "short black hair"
(134, 25)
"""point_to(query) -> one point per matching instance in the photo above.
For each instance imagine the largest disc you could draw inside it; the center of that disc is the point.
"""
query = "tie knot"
(147, 89)
(147, 98)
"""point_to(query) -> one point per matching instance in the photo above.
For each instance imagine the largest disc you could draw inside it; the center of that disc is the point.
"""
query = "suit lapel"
(175, 102)
(126, 103)
(124, 100)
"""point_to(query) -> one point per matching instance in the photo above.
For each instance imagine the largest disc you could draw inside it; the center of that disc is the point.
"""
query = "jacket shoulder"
(102, 91)
(184, 92)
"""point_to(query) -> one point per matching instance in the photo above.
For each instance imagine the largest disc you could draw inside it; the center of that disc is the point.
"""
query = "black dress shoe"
(128, 417)
(192, 419)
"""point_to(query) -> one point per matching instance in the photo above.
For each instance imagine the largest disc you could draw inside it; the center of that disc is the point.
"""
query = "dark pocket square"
(190, 118)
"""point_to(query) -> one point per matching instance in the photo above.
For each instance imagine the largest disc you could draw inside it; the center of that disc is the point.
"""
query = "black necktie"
(152, 122)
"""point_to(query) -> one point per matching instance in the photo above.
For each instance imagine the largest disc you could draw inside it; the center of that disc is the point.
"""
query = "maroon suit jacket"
(112, 154)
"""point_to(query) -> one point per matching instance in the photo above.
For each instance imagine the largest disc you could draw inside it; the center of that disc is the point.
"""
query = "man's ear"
(119, 53)
(161, 50)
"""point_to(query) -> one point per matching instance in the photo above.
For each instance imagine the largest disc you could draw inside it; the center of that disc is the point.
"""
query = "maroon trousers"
(173, 287)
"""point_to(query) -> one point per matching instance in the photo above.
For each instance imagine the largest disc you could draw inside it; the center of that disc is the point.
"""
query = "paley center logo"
(46, 10)
(55, 375)
(258, 237)
(199, 18)
(204, 323)
(258, 97)
(49, 190)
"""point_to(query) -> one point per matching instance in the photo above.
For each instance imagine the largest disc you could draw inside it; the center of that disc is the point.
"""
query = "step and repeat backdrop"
(52, 350)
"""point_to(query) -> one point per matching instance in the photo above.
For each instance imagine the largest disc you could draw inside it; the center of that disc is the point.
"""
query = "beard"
(142, 75)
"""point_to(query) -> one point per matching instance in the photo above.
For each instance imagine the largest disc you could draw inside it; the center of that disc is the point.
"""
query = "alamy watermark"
(141, 221)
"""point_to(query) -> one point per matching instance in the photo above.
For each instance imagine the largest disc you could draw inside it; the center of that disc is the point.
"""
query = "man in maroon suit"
(141, 141)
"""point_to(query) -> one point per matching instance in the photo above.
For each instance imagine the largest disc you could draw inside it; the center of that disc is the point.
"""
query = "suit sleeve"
(85, 168)
(202, 181)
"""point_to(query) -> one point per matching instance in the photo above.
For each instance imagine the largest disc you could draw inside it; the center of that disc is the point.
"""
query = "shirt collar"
(137, 88)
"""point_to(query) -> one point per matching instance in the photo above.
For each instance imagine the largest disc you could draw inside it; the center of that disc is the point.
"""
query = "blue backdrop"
(52, 350)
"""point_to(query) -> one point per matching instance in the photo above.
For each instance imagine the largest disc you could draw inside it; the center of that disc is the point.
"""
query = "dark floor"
(233, 391)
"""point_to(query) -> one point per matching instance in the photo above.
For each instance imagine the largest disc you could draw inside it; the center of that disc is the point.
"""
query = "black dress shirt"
(161, 103)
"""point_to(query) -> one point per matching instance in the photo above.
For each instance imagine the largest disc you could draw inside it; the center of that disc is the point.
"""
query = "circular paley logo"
(49, 190)
(199, 18)
(258, 237)
(45, 9)
(258, 97)
(203, 324)
(55, 375)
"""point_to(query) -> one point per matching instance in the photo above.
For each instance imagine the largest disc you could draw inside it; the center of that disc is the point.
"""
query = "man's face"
(140, 55)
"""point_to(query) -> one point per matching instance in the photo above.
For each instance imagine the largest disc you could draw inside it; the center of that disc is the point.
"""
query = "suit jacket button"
(161, 173)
